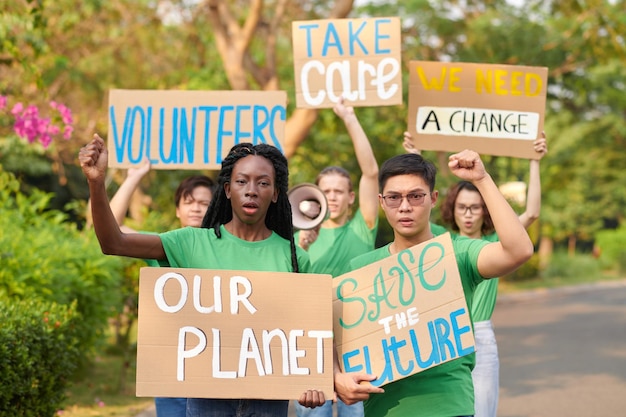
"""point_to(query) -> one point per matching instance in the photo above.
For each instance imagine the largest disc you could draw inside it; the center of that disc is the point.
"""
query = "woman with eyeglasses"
(465, 212)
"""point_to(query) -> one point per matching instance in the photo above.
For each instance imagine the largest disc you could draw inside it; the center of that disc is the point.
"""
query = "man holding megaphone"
(328, 231)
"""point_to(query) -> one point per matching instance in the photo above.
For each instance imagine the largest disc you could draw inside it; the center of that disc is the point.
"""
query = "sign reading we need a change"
(359, 59)
(233, 334)
(403, 314)
(177, 129)
(492, 109)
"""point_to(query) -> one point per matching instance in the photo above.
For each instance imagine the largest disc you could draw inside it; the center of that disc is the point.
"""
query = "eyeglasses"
(395, 200)
(473, 209)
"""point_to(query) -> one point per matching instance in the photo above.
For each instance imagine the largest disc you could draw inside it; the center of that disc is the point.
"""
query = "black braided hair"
(278, 217)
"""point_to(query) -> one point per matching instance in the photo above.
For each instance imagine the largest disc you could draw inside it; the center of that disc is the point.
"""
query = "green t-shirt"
(486, 293)
(444, 390)
(437, 229)
(334, 248)
(196, 247)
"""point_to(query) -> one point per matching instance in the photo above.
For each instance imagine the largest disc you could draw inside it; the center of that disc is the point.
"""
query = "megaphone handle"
(308, 237)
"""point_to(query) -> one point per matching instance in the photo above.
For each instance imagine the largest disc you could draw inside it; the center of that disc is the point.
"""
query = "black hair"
(186, 186)
(407, 164)
(278, 217)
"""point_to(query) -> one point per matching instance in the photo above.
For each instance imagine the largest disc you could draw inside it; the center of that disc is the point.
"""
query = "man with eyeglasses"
(407, 186)
(465, 213)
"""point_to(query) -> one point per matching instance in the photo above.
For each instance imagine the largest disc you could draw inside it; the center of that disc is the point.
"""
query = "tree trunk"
(546, 247)
(571, 246)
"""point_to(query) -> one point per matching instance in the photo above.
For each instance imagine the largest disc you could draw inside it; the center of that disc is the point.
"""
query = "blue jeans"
(171, 407)
(203, 407)
(343, 410)
(486, 373)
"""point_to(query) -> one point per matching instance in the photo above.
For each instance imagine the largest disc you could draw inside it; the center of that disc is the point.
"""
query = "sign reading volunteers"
(492, 109)
(233, 334)
(359, 59)
(177, 129)
(403, 314)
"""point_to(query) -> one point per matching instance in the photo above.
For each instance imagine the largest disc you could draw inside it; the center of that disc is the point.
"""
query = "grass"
(106, 389)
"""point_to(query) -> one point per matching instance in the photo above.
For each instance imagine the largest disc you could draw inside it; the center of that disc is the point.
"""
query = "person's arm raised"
(93, 159)
(368, 184)
(533, 196)
(121, 200)
(515, 247)
(408, 145)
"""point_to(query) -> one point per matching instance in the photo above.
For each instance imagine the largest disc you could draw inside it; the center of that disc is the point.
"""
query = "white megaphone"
(308, 206)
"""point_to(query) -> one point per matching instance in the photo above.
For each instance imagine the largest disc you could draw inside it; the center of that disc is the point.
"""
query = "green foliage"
(612, 245)
(44, 257)
(564, 266)
(527, 271)
(39, 350)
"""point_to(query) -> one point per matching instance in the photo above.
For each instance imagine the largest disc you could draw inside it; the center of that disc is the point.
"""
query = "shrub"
(45, 257)
(563, 265)
(39, 349)
(612, 244)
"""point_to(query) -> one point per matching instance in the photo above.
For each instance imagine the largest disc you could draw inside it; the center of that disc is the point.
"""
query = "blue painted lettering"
(403, 357)
(378, 36)
(207, 127)
(187, 139)
(221, 132)
(353, 37)
(239, 134)
(332, 40)
(162, 141)
(308, 28)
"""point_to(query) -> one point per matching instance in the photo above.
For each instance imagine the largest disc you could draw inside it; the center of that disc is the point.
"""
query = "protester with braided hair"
(247, 227)
(221, 211)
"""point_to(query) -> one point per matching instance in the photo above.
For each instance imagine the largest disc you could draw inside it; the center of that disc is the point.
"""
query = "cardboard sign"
(357, 58)
(233, 334)
(403, 314)
(491, 109)
(190, 129)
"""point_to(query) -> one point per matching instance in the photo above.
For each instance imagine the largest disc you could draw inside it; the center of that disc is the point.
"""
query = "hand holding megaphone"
(308, 206)
(307, 237)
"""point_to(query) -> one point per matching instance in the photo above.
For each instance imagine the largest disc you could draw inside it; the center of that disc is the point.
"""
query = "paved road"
(562, 352)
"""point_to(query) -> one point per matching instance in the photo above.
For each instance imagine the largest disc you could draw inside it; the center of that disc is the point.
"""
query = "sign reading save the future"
(233, 334)
(403, 314)
(359, 59)
(177, 129)
(492, 109)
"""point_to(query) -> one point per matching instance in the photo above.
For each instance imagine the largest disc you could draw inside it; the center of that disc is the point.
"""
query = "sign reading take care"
(359, 59)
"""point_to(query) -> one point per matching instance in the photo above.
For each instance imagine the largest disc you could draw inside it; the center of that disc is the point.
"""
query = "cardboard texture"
(403, 314)
(357, 58)
(234, 361)
(178, 129)
(491, 109)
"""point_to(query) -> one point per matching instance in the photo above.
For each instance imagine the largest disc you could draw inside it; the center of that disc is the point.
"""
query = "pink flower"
(31, 126)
